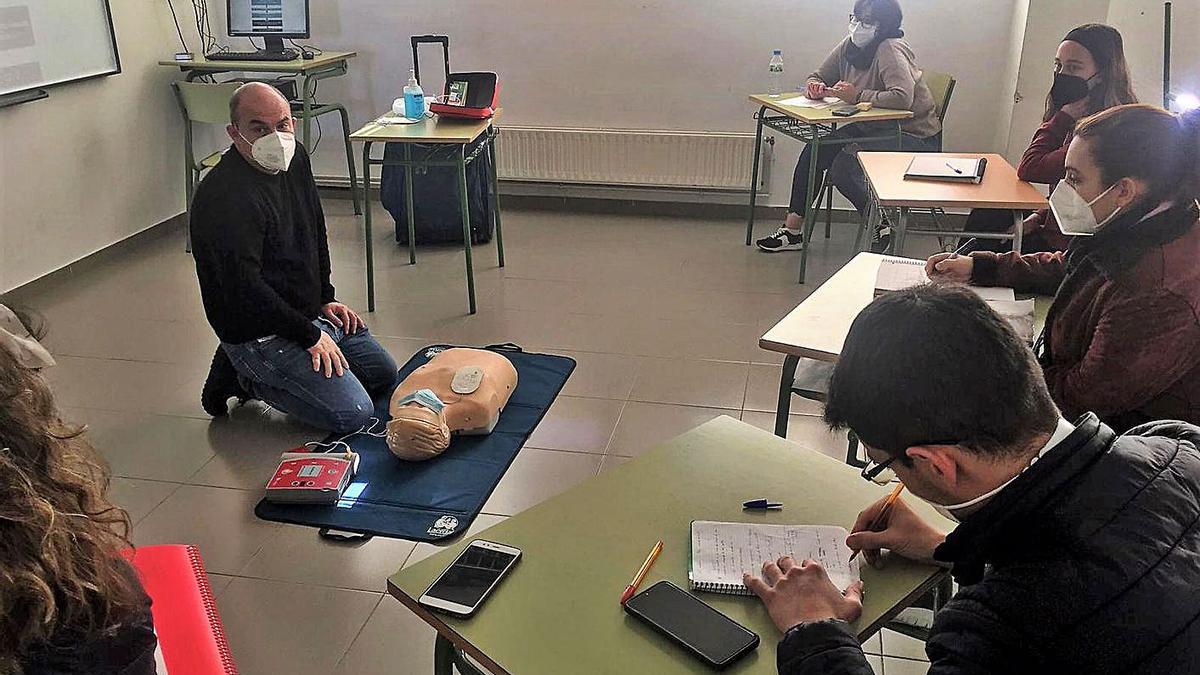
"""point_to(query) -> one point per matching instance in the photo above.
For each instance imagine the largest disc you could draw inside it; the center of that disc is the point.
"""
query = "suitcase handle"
(444, 40)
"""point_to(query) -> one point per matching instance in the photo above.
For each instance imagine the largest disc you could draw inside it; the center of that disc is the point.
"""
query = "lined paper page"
(898, 273)
(721, 552)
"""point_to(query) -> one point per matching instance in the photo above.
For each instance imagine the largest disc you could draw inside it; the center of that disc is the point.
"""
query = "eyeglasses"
(879, 472)
(865, 21)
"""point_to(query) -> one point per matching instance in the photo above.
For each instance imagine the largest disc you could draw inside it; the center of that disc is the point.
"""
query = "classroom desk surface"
(1000, 189)
(825, 115)
(435, 129)
(293, 66)
(558, 612)
(817, 327)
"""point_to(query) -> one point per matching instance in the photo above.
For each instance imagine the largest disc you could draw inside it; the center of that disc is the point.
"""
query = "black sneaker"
(222, 384)
(783, 240)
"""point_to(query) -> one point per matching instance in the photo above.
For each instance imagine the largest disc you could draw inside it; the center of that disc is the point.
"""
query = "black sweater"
(261, 252)
(1084, 564)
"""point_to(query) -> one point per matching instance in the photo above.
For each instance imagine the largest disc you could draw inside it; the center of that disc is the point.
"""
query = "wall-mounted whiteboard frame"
(112, 66)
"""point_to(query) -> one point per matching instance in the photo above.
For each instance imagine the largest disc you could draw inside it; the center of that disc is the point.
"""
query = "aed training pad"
(438, 498)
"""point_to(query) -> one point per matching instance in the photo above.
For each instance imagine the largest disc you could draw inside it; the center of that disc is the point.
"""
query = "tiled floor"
(662, 314)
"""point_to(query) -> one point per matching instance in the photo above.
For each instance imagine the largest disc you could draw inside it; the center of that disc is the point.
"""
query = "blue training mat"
(438, 498)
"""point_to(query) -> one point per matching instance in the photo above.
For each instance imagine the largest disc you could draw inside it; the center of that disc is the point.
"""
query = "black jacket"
(261, 252)
(1088, 563)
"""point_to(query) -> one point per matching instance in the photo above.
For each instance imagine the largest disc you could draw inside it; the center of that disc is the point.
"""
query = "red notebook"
(189, 630)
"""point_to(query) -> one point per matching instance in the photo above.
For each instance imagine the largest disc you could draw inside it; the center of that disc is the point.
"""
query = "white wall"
(1141, 23)
(647, 64)
(97, 161)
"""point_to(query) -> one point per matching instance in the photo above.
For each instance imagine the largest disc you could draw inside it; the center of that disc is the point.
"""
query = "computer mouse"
(307, 54)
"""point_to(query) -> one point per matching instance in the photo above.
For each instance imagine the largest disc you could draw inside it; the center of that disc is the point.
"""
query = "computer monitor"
(272, 20)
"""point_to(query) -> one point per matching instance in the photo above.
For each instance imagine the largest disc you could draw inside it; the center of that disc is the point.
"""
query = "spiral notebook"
(721, 552)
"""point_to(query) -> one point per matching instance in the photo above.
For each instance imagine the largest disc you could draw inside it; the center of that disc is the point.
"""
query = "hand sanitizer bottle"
(414, 98)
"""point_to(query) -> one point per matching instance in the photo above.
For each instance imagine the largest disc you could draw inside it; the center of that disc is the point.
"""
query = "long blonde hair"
(59, 534)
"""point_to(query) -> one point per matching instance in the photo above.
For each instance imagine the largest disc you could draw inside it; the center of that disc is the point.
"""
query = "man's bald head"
(257, 100)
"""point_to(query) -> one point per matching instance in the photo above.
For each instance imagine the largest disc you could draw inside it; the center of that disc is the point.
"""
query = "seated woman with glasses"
(873, 64)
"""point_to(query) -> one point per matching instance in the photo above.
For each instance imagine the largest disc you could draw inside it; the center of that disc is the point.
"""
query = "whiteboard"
(47, 42)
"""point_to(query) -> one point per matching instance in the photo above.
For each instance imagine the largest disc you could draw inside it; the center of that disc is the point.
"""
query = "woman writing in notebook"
(68, 602)
(1122, 337)
(1090, 75)
(871, 65)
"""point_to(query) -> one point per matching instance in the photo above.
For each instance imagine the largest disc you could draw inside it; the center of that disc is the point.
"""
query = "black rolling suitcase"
(437, 214)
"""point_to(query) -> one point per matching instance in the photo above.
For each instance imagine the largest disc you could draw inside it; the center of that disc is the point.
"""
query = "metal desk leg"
(754, 175)
(898, 232)
(495, 178)
(786, 380)
(306, 106)
(443, 656)
(409, 216)
(466, 221)
(367, 226)
(349, 159)
(1018, 230)
(828, 205)
(810, 215)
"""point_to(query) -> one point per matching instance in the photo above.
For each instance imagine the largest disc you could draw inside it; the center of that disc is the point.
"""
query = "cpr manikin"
(460, 391)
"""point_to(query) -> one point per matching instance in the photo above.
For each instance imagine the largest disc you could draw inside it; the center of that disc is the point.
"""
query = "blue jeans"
(280, 373)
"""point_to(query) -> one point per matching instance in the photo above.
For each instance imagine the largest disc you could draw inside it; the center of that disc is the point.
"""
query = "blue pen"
(762, 505)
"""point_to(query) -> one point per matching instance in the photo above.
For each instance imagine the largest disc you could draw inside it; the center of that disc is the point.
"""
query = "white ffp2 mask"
(862, 34)
(274, 151)
(1074, 213)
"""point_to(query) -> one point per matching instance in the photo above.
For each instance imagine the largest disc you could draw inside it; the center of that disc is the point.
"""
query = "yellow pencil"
(883, 513)
(641, 574)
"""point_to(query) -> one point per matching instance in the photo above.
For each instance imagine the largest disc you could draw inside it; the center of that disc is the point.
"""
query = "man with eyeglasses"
(1076, 551)
(259, 240)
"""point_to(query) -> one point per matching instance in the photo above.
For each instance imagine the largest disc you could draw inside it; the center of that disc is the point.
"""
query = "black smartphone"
(845, 111)
(681, 616)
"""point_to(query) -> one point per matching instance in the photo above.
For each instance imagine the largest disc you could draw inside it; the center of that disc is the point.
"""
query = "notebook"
(721, 552)
(899, 273)
(942, 168)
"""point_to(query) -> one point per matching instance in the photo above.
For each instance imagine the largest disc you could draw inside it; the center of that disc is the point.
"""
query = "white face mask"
(274, 151)
(1074, 213)
(861, 34)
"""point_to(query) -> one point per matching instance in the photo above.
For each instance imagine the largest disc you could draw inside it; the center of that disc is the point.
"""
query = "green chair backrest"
(941, 85)
(205, 103)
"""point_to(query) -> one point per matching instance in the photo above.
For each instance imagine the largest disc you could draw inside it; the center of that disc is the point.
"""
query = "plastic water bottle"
(414, 98)
(775, 74)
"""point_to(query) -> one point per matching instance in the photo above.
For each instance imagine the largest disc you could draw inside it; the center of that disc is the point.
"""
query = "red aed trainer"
(469, 95)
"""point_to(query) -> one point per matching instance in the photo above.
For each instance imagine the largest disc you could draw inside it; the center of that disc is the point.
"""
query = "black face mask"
(1068, 89)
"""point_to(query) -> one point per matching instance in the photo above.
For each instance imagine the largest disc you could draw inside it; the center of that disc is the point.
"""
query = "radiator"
(638, 158)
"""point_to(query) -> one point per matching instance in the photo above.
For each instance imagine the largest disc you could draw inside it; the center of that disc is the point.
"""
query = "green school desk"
(447, 141)
(558, 610)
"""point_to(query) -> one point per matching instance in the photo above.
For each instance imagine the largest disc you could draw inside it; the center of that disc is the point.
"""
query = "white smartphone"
(468, 581)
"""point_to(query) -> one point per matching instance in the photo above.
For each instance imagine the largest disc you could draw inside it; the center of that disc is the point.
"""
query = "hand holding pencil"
(889, 523)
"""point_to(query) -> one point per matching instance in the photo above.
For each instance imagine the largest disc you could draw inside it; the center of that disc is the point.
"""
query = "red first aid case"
(311, 478)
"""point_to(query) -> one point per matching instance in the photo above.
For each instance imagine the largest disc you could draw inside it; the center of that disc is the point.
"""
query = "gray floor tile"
(158, 447)
(804, 430)
(894, 666)
(275, 627)
(762, 393)
(139, 497)
(394, 642)
(712, 384)
(577, 425)
(646, 425)
(219, 521)
(298, 555)
(898, 644)
(537, 475)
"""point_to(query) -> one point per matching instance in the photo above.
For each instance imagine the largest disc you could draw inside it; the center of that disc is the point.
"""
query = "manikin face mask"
(274, 151)
(861, 34)
(418, 429)
(1074, 213)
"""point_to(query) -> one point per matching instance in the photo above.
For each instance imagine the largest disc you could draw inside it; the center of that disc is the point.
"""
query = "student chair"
(941, 86)
(200, 103)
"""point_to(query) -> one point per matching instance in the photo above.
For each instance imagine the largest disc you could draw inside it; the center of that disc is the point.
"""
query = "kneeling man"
(259, 240)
